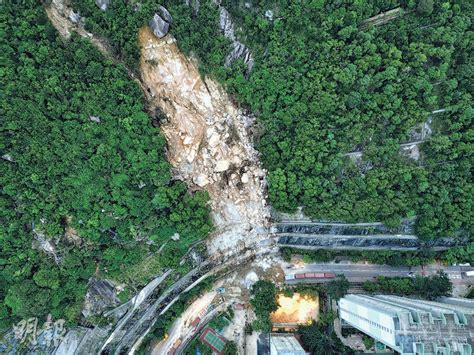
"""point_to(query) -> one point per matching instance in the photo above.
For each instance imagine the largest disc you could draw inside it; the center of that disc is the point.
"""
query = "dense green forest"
(326, 83)
(83, 169)
(430, 287)
(451, 256)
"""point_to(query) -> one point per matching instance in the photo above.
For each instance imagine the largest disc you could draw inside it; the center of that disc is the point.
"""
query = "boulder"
(221, 165)
(201, 180)
(214, 140)
(188, 140)
(75, 17)
(102, 4)
(161, 22)
(94, 119)
(8, 157)
(269, 15)
(165, 15)
(159, 26)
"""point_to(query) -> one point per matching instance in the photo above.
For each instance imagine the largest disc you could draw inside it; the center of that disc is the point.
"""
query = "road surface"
(364, 272)
(136, 302)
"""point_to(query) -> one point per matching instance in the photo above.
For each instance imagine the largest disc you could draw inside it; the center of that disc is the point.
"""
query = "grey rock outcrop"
(102, 4)
(100, 296)
(269, 15)
(90, 342)
(95, 119)
(239, 50)
(42, 242)
(8, 157)
(195, 4)
(70, 342)
(165, 15)
(160, 24)
(75, 17)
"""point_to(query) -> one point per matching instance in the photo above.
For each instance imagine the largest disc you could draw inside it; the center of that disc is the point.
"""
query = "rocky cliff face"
(207, 140)
(239, 50)
(100, 296)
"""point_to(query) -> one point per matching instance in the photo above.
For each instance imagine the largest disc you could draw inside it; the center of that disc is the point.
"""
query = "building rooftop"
(441, 327)
(367, 301)
(285, 344)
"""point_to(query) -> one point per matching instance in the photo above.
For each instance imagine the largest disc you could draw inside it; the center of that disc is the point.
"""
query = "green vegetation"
(222, 320)
(429, 288)
(355, 87)
(264, 302)
(385, 257)
(319, 337)
(369, 342)
(337, 288)
(64, 170)
(196, 345)
(230, 348)
(310, 290)
(129, 17)
(79, 151)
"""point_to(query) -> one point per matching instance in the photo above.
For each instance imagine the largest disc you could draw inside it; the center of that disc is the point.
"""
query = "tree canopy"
(431, 287)
(337, 288)
(264, 302)
(326, 82)
(317, 338)
(84, 174)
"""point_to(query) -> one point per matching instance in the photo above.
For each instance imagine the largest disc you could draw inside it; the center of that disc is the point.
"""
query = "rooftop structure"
(285, 344)
(412, 326)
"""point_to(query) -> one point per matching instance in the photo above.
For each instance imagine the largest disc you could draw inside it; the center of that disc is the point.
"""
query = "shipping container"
(309, 275)
(319, 275)
(299, 276)
(329, 275)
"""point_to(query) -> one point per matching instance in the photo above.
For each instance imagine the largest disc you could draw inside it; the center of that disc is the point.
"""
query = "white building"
(412, 326)
(285, 344)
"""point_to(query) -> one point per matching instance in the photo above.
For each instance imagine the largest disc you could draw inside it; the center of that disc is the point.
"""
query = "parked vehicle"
(469, 273)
